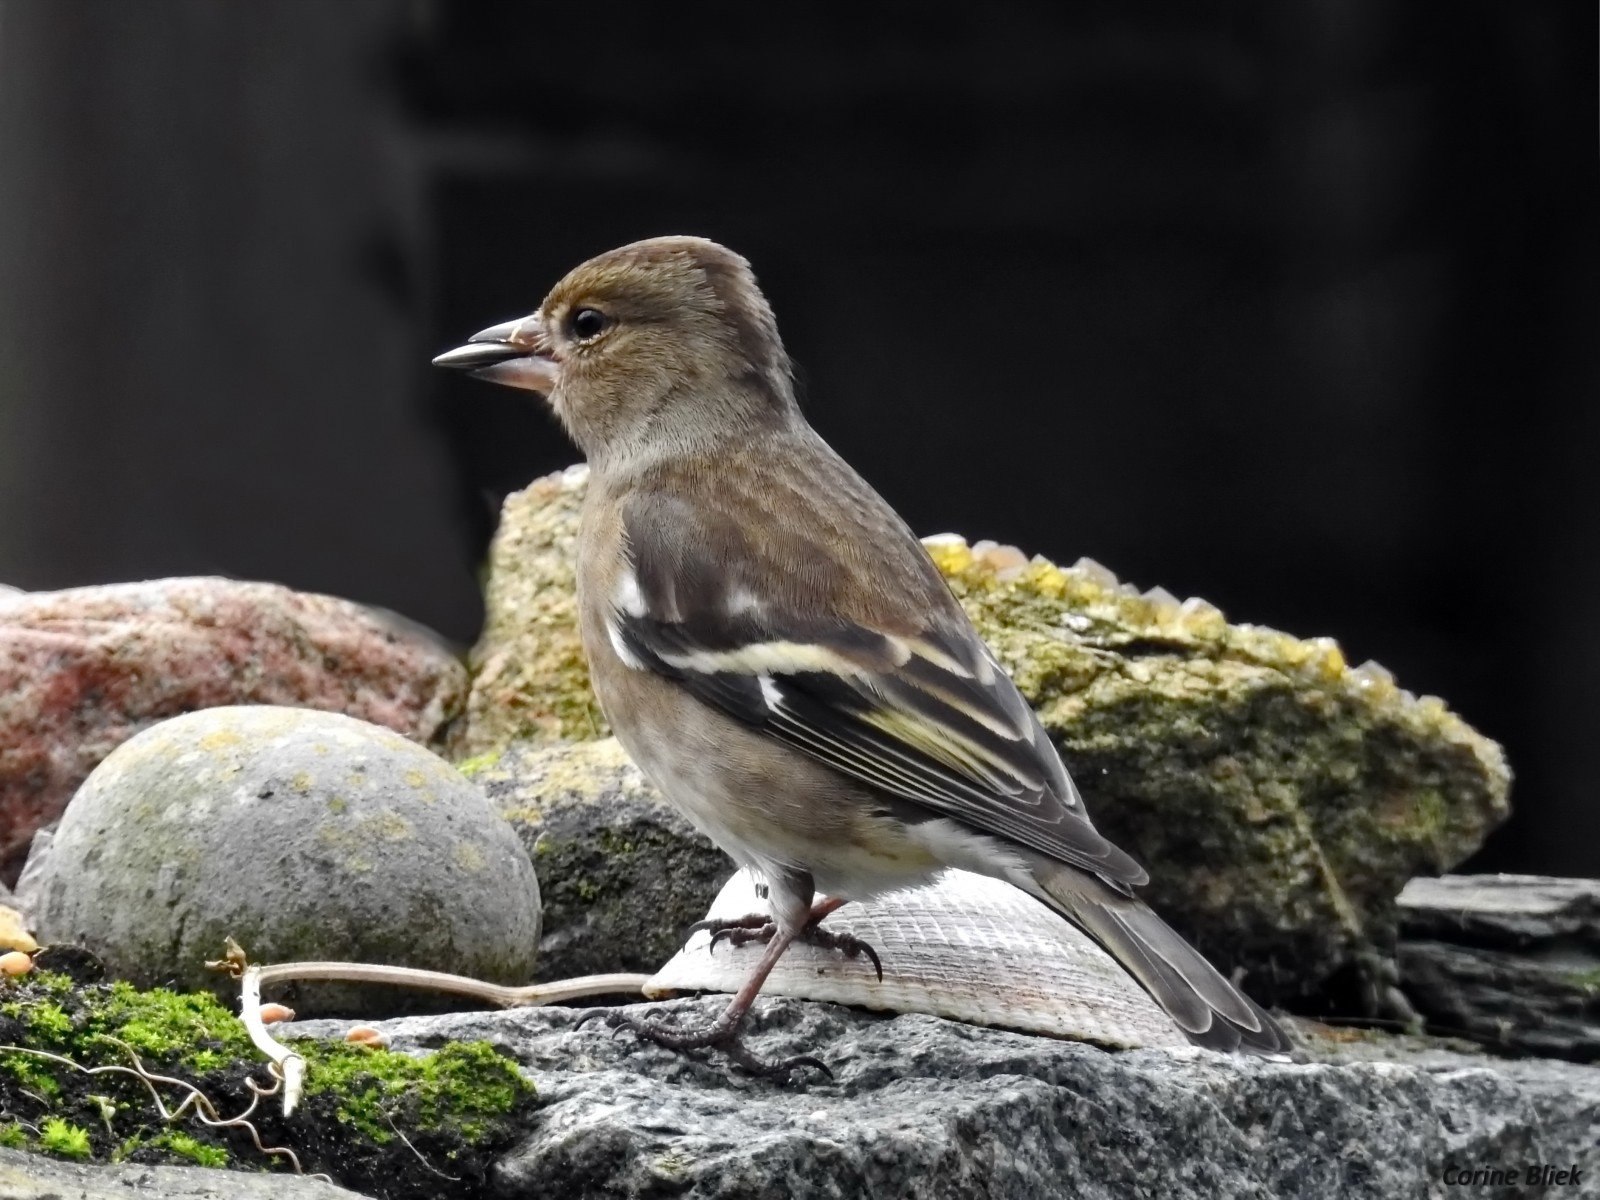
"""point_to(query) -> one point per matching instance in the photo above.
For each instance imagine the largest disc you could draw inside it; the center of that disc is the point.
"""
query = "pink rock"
(83, 670)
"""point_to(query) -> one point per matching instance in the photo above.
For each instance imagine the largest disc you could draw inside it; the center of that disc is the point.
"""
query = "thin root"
(194, 1099)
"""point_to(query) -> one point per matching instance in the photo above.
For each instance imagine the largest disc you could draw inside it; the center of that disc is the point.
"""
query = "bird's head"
(660, 343)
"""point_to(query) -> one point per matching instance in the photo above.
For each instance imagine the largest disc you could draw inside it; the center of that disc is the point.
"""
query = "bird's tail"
(1210, 1010)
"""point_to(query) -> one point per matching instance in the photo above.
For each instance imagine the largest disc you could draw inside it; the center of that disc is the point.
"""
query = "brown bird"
(778, 653)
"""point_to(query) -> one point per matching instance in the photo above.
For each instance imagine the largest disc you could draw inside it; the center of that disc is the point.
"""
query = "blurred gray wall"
(1292, 306)
(214, 192)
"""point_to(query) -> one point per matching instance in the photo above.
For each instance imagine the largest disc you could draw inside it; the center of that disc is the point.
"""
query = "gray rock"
(25, 1176)
(1512, 911)
(622, 873)
(925, 1107)
(304, 835)
(1511, 961)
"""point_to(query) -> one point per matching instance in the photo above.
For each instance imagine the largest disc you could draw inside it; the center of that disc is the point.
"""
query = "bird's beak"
(515, 353)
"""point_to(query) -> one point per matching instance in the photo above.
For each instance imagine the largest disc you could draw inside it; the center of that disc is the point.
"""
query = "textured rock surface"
(1280, 798)
(1512, 961)
(933, 1109)
(25, 1176)
(622, 874)
(82, 671)
(305, 835)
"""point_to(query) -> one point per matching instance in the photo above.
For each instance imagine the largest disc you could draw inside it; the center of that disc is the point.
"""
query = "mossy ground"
(380, 1122)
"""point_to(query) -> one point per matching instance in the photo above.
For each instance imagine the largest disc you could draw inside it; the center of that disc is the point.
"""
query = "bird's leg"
(723, 1033)
(758, 927)
(790, 895)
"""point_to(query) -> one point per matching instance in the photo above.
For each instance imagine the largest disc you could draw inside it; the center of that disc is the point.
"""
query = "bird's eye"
(588, 323)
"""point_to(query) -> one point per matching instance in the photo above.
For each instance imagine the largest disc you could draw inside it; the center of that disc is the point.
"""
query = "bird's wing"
(923, 713)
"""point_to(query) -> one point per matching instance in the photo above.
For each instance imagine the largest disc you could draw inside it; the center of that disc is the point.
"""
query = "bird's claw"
(779, 1070)
(737, 931)
(710, 1037)
(738, 935)
(847, 944)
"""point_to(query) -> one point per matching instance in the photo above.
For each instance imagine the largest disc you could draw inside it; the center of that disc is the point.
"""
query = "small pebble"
(14, 933)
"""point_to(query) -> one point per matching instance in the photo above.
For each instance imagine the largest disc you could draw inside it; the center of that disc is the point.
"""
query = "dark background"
(1289, 305)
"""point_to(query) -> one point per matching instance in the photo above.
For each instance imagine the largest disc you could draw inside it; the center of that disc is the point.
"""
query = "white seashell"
(966, 947)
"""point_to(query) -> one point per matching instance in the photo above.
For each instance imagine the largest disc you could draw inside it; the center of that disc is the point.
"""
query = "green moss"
(1586, 980)
(47, 1024)
(461, 1089)
(176, 1142)
(13, 1136)
(190, 1028)
(62, 1139)
(478, 762)
(35, 1075)
(459, 1105)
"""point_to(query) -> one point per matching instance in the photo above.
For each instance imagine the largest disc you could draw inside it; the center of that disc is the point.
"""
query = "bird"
(778, 653)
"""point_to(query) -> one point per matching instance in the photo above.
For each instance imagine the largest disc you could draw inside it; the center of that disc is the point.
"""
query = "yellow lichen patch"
(530, 680)
(950, 553)
(468, 857)
(386, 826)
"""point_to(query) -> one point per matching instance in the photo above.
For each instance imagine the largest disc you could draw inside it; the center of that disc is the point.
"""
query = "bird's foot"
(736, 931)
(719, 1035)
(757, 927)
(847, 944)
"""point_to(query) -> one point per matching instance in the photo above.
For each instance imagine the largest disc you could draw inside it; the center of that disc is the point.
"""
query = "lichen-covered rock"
(622, 873)
(529, 680)
(923, 1107)
(83, 670)
(1280, 798)
(1511, 961)
(302, 834)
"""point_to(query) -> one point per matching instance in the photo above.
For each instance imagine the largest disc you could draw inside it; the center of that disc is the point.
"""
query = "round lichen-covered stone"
(301, 834)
